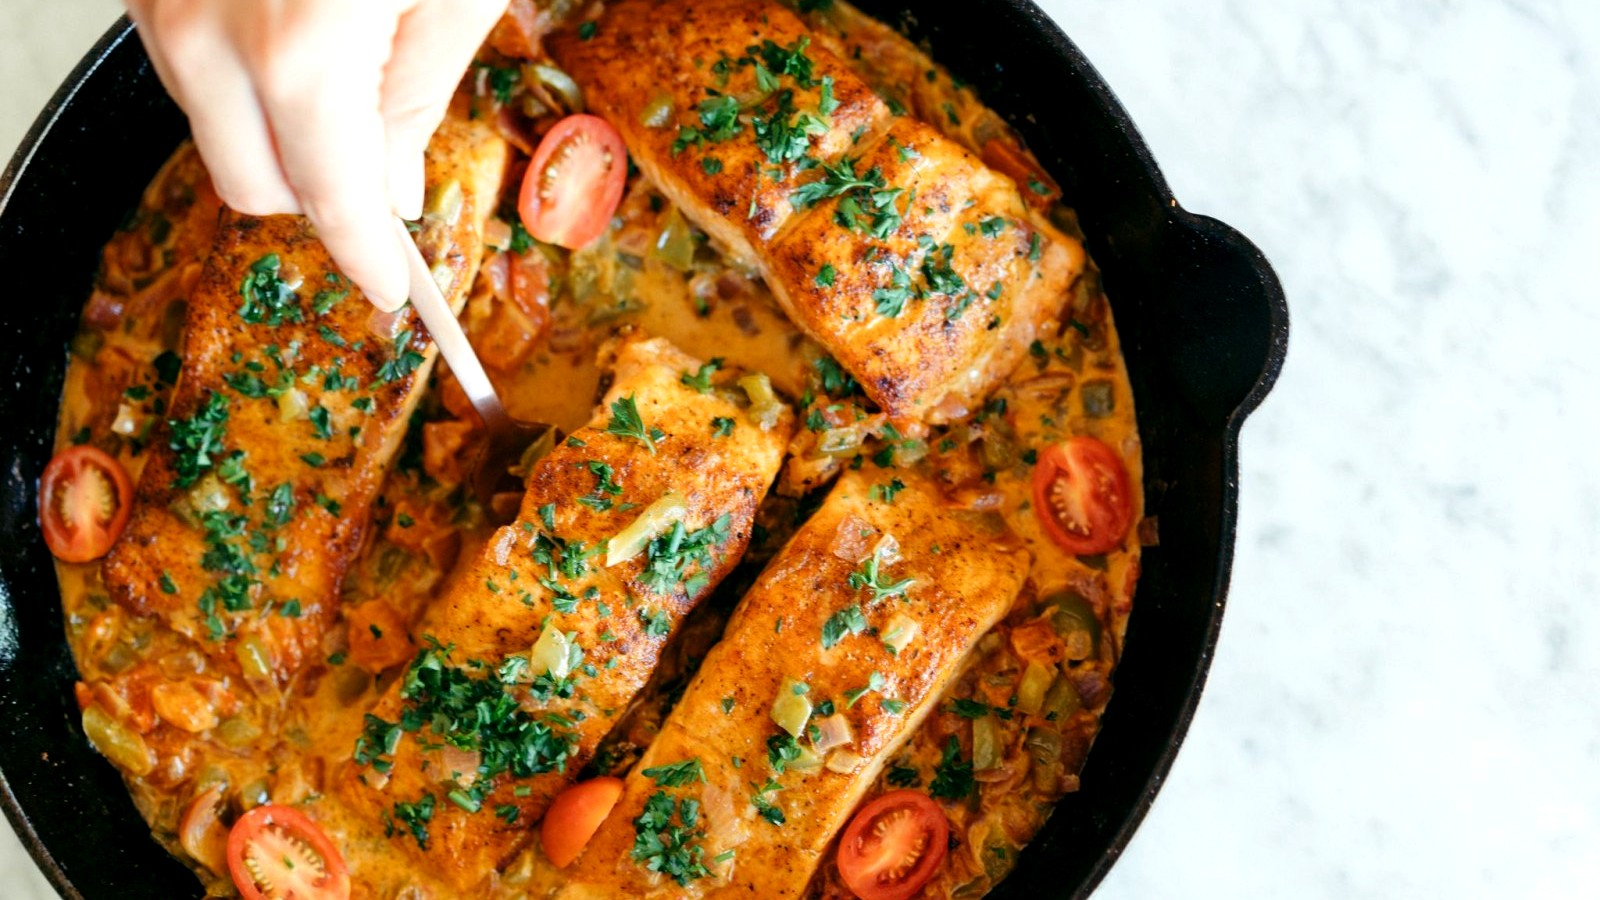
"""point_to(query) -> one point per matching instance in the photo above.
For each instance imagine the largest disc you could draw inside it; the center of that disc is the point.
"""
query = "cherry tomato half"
(1081, 495)
(276, 853)
(575, 815)
(84, 502)
(893, 846)
(574, 183)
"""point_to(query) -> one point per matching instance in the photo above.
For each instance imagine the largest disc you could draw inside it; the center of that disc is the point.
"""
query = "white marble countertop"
(1406, 699)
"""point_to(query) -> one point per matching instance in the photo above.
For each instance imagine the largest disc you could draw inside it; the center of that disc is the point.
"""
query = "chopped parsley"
(722, 426)
(890, 301)
(676, 774)
(836, 382)
(887, 492)
(825, 276)
(849, 620)
(761, 799)
(952, 778)
(267, 300)
(196, 438)
(874, 683)
(904, 776)
(701, 379)
(871, 576)
(480, 714)
(403, 363)
(866, 202)
(415, 817)
(711, 165)
(666, 838)
(588, 30)
(625, 423)
(670, 555)
(167, 366)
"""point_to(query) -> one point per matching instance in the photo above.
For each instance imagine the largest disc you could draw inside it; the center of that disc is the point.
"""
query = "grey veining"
(1404, 703)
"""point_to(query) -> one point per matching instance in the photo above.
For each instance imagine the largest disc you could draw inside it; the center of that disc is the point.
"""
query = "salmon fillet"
(883, 562)
(917, 267)
(292, 400)
(553, 570)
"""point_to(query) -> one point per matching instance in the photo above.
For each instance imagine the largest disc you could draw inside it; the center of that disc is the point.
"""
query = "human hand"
(320, 107)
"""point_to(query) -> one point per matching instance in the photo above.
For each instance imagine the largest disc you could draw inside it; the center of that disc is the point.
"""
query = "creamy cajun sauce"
(1007, 740)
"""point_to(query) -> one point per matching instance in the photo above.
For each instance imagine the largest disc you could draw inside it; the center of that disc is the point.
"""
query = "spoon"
(505, 438)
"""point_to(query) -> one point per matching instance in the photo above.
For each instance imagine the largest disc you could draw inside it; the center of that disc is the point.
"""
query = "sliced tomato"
(893, 846)
(575, 815)
(1081, 495)
(575, 181)
(276, 853)
(84, 502)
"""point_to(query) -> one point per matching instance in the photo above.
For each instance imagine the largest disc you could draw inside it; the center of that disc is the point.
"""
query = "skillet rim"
(1206, 228)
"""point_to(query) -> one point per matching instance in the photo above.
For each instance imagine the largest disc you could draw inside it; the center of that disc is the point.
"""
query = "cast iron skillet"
(1202, 318)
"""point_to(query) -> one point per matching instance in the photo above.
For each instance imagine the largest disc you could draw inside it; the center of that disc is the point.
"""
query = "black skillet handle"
(1228, 323)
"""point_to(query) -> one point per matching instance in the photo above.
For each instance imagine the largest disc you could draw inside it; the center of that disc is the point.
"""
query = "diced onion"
(445, 202)
(791, 709)
(1062, 700)
(208, 495)
(986, 749)
(900, 632)
(852, 539)
(656, 518)
(117, 742)
(845, 762)
(1030, 693)
(497, 234)
(833, 731)
(128, 421)
(658, 112)
(292, 405)
(442, 276)
(562, 84)
(887, 550)
(808, 761)
(552, 653)
(765, 407)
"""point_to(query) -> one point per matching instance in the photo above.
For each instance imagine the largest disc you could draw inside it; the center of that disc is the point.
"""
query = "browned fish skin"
(503, 602)
(963, 578)
(317, 396)
(938, 355)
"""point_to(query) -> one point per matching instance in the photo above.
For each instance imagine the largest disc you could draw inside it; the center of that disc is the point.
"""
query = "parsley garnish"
(887, 492)
(625, 422)
(836, 382)
(676, 774)
(670, 555)
(849, 620)
(904, 776)
(874, 683)
(890, 301)
(415, 816)
(403, 363)
(588, 30)
(666, 836)
(969, 709)
(761, 799)
(701, 380)
(952, 778)
(866, 202)
(722, 426)
(825, 276)
(196, 438)
(871, 576)
(267, 300)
